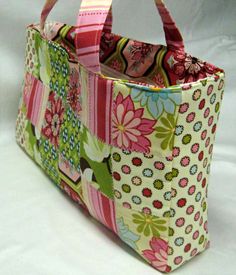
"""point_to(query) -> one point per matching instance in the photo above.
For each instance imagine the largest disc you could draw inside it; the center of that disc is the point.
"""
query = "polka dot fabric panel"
(136, 156)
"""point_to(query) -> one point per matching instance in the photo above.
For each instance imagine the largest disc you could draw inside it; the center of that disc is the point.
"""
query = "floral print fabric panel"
(144, 121)
(192, 155)
(145, 233)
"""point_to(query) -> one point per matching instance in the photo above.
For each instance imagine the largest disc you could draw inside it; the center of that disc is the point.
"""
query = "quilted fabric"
(134, 147)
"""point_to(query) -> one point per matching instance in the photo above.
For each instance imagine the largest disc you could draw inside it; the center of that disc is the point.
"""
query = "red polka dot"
(137, 161)
(203, 182)
(116, 176)
(157, 204)
(147, 192)
(213, 129)
(181, 202)
(202, 104)
(201, 155)
(187, 247)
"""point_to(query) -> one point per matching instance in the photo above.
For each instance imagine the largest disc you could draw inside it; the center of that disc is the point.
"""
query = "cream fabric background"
(41, 230)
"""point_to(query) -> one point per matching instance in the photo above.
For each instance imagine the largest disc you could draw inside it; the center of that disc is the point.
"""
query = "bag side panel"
(192, 154)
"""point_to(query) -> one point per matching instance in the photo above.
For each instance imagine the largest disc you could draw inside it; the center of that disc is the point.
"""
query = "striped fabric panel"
(97, 106)
(91, 20)
(35, 98)
(100, 207)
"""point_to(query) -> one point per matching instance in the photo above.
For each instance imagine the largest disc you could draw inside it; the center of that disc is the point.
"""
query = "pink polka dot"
(180, 222)
(183, 182)
(190, 210)
(191, 190)
(199, 177)
(147, 210)
(210, 120)
(185, 161)
(183, 108)
(210, 89)
(178, 260)
(125, 169)
(126, 205)
(195, 235)
(159, 165)
(190, 117)
(204, 134)
(206, 113)
(195, 148)
(194, 252)
(175, 152)
(197, 216)
(207, 142)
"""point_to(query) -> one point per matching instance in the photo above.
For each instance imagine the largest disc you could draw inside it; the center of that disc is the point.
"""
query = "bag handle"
(94, 17)
(91, 19)
(49, 5)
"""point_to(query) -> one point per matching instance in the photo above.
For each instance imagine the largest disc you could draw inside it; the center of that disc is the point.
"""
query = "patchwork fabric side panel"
(192, 154)
(144, 125)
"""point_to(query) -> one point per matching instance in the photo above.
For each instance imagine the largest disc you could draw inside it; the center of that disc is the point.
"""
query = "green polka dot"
(217, 107)
(158, 184)
(166, 214)
(204, 206)
(116, 157)
(186, 139)
(175, 172)
(168, 176)
(201, 240)
(126, 188)
(171, 232)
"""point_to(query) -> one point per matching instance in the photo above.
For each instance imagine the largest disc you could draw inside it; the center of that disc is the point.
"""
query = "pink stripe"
(89, 60)
(113, 216)
(96, 109)
(88, 49)
(108, 111)
(90, 28)
(101, 205)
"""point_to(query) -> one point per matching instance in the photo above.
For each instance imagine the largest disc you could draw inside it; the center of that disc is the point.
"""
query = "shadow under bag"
(125, 128)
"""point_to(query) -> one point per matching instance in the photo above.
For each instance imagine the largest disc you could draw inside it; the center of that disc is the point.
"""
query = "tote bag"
(124, 127)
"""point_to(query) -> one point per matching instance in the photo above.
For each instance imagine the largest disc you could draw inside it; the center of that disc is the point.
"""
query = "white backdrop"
(41, 231)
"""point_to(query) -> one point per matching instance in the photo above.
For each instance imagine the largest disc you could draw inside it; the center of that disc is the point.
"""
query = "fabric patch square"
(142, 182)
(144, 121)
(59, 70)
(53, 119)
(26, 136)
(35, 97)
(145, 233)
(74, 90)
(49, 157)
(31, 56)
(95, 162)
(69, 141)
(97, 105)
(100, 206)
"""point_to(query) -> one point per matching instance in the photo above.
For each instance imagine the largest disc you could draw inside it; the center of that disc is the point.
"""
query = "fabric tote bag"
(124, 127)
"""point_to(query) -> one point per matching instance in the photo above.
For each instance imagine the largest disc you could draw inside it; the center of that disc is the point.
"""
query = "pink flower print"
(129, 127)
(73, 96)
(27, 88)
(140, 51)
(158, 254)
(158, 79)
(116, 65)
(53, 119)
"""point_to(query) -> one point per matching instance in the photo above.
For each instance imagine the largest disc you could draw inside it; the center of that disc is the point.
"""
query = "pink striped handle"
(91, 21)
(49, 5)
